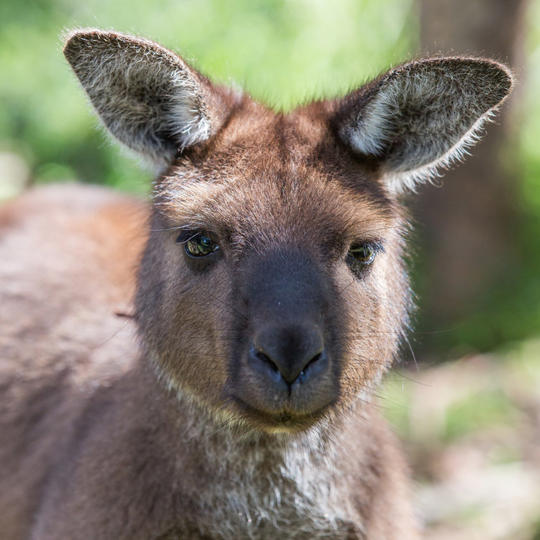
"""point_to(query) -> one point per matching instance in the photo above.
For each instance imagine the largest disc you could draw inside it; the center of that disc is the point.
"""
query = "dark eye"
(363, 253)
(197, 244)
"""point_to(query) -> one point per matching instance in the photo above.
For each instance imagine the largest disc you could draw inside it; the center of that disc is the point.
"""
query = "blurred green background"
(472, 425)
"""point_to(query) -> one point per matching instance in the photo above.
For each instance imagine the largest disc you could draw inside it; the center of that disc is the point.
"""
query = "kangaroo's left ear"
(422, 115)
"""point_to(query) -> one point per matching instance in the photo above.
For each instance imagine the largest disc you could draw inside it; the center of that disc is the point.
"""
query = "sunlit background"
(466, 399)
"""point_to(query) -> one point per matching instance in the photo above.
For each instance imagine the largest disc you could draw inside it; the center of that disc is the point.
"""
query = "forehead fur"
(275, 176)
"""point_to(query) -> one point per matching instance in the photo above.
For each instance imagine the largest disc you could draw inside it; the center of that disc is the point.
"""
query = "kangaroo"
(203, 366)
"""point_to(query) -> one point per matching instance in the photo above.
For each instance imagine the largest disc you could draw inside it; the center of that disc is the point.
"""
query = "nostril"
(264, 364)
(267, 360)
(316, 358)
(310, 367)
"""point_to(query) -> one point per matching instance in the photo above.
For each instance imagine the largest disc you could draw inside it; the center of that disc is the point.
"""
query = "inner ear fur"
(422, 115)
(149, 98)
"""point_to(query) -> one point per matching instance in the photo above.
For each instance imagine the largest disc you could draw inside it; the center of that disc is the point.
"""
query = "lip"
(282, 421)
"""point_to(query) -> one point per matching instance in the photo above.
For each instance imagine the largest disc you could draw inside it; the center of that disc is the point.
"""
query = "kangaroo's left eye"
(197, 244)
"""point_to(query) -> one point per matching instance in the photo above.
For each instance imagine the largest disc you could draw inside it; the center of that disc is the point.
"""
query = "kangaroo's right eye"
(197, 244)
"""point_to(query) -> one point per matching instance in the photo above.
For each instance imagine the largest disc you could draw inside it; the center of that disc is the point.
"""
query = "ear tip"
(497, 75)
(80, 34)
(83, 43)
(499, 71)
(75, 39)
(79, 38)
(506, 77)
(501, 78)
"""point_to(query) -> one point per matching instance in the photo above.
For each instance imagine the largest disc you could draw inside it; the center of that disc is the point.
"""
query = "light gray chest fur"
(263, 493)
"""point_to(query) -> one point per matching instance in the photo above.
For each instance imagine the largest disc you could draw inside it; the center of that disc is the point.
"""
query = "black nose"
(293, 354)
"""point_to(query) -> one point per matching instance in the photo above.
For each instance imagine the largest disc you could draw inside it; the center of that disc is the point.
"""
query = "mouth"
(283, 421)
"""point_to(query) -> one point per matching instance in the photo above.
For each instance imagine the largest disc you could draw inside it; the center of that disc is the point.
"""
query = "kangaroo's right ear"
(148, 97)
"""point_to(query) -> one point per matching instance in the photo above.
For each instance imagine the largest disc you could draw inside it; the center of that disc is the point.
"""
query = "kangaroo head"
(272, 289)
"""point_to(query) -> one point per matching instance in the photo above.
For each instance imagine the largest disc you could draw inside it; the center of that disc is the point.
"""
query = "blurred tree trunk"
(467, 227)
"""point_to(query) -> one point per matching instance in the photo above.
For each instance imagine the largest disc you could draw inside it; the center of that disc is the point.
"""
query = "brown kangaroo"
(265, 296)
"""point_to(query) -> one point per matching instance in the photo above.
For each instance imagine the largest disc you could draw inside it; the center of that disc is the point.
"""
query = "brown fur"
(107, 436)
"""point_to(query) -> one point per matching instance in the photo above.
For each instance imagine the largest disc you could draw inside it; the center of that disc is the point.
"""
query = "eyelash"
(198, 244)
(361, 255)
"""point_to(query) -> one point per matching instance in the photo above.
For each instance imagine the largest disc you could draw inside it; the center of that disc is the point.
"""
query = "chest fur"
(293, 493)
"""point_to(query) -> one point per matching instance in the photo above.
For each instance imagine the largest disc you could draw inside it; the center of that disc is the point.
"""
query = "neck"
(236, 476)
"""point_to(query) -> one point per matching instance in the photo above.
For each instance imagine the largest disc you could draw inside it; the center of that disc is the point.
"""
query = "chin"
(284, 421)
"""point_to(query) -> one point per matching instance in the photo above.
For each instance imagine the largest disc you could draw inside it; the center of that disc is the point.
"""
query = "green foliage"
(536, 532)
(463, 398)
(475, 413)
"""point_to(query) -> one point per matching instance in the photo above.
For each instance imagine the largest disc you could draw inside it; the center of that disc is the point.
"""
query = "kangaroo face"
(272, 290)
(280, 291)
